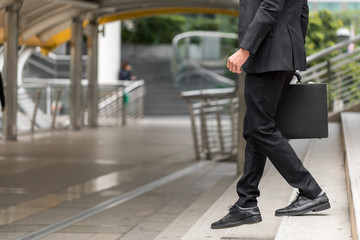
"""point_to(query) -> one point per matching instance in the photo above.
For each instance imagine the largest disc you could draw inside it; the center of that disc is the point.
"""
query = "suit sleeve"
(265, 18)
(304, 20)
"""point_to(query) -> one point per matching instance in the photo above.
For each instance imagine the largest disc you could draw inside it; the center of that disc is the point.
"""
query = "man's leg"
(262, 95)
(247, 186)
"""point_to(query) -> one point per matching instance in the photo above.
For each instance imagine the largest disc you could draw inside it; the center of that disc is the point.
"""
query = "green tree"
(153, 30)
(227, 23)
(201, 23)
(350, 17)
(321, 31)
(162, 28)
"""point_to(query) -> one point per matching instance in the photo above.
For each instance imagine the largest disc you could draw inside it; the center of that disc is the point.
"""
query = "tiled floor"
(49, 177)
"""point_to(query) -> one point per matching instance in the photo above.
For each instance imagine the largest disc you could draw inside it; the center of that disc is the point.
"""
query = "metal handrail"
(49, 63)
(66, 82)
(216, 102)
(208, 93)
(49, 108)
(340, 72)
(197, 67)
(126, 88)
(325, 52)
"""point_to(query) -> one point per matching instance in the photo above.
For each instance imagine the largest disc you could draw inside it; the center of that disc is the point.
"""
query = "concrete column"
(241, 116)
(76, 73)
(110, 53)
(92, 72)
(11, 21)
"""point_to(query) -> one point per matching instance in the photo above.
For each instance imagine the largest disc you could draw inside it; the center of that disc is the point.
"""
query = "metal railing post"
(141, 101)
(232, 121)
(58, 95)
(193, 130)
(118, 111)
(48, 100)
(204, 131)
(219, 127)
(37, 101)
(328, 68)
(124, 114)
(328, 79)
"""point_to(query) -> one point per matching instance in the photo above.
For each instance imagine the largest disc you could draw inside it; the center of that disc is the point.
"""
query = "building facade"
(334, 5)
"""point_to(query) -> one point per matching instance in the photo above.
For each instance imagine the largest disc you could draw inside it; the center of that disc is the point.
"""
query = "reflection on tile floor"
(48, 177)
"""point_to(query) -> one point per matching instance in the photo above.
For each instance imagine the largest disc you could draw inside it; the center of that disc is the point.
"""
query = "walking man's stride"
(272, 47)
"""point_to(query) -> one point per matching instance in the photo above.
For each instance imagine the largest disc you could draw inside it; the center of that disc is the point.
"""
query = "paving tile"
(10, 236)
(109, 229)
(73, 236)
(63, 173)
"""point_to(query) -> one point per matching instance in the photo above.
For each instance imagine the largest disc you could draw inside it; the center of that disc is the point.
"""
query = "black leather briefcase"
(303, 111)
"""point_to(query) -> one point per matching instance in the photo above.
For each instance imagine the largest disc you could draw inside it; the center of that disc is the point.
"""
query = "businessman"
(271, 47)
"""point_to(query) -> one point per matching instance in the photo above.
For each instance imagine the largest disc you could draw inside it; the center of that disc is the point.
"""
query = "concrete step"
(351, 134)
(200, 229)
(161, 96)
(181, 225)
(275, 193)
(184, 222)
(270, 184)
(325, 161)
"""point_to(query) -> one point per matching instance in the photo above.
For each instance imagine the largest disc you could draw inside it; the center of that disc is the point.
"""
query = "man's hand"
(236, 60)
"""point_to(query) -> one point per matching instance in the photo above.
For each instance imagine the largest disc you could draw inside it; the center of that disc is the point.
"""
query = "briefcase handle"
(298, 76)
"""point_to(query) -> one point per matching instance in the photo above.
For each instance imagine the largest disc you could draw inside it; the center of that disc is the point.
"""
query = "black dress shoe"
(238, 216)
(302, 205)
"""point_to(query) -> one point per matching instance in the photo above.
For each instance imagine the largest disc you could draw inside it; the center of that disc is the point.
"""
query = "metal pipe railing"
(182, 60)
(55, 110)
(49, 108)
(327, 51)
(340, 72)
(213, 117)
(37, 100)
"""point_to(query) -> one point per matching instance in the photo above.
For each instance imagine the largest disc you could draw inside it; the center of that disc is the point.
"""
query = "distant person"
(2, 95)
(125, 72)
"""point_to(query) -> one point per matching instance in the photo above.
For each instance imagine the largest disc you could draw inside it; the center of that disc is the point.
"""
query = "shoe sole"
(319, 208)
(250, 220)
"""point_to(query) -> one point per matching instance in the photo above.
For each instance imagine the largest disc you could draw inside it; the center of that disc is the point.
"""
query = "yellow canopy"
(65, 35)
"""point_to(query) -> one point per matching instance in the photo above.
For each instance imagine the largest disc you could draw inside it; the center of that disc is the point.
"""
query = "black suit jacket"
(274, 32)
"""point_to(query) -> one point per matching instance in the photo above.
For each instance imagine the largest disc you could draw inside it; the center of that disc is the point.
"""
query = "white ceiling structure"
(46, 23)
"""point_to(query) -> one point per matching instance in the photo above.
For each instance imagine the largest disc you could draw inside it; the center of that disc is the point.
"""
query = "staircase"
(51, 66)
(334, 162)
(26, 106)
(162, 96)
(153, 64)
(325, 160)
(351, 136)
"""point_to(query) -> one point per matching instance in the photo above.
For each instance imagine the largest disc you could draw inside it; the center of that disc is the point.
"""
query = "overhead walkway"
(48, 24)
